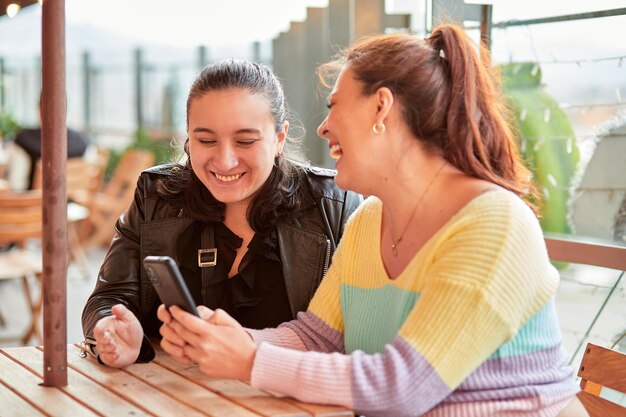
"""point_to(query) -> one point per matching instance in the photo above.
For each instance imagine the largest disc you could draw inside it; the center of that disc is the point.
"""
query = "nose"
(226, 158)
(322, 130)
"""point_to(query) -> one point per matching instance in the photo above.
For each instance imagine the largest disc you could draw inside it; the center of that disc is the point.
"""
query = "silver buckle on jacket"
(207, 257)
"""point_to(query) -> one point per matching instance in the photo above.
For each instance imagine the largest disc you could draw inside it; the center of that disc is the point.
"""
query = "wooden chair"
(115, 197)
(603, 382)
(20, 221)
(602, 371)
(83, 181)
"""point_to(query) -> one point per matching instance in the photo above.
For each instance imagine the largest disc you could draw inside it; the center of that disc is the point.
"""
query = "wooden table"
(160, 388)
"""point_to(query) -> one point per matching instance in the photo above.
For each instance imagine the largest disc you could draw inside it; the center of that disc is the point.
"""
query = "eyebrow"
(245, 130)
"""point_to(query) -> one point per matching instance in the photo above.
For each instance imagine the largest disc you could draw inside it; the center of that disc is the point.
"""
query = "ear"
(281, 136)
(384, 103)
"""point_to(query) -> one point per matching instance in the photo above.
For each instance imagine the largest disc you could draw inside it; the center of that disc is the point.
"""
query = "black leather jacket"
(152, 226)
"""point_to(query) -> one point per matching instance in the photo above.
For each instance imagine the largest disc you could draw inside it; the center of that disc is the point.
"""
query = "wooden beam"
(54, 158)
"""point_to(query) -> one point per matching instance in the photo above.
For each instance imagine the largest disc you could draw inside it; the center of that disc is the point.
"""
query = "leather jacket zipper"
(327, 259)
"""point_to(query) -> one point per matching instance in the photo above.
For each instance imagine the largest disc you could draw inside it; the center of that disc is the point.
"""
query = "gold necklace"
(394, 245)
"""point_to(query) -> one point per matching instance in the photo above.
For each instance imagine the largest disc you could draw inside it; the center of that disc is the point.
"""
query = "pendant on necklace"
(394, 250)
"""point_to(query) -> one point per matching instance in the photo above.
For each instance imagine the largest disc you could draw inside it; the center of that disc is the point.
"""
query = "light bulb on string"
(13, 9)
(546, 115)
(522, 114)
(534, 70)
(551, 180)
(570, 145)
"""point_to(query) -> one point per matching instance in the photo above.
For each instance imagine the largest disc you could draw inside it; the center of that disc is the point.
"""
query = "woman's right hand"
(118, 337)
(171, 342)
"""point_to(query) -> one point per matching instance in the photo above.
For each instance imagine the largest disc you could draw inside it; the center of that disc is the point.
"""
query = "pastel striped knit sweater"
(467, 329)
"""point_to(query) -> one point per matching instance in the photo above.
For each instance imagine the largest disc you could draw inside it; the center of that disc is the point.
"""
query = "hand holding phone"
(169, 284)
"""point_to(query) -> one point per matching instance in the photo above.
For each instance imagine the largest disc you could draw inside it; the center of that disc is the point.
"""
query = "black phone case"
(168, 283)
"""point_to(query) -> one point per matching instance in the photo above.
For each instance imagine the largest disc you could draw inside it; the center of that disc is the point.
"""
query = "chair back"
(603, 382)
(20, 216)
(83, 179)
(124, 179)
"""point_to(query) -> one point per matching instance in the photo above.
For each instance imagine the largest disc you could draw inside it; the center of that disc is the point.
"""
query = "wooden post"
(54, 156)
(485, 30)
(138, 54)
(203, 57)
(87, 72)
(2, 84)
(317, 40)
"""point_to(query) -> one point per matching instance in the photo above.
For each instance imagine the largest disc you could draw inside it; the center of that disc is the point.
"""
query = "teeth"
(227, 178)
(336, 151)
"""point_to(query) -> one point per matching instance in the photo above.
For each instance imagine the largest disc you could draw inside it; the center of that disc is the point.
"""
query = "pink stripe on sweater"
(300, 374)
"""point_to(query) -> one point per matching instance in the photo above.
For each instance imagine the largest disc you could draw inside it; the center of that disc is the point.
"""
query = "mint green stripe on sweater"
(373, 316)
(540, 332)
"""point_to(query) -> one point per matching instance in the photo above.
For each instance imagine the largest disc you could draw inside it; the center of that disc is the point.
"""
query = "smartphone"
(168, 283)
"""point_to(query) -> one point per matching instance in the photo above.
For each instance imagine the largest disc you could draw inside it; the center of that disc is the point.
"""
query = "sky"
(111, 29)
(232, 22)
(235, 22)
(218, 22)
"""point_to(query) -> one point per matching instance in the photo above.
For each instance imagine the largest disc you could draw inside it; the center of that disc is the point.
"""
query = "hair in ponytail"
(450, 99)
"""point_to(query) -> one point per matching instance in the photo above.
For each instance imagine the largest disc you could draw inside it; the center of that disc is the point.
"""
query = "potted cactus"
(546, 139)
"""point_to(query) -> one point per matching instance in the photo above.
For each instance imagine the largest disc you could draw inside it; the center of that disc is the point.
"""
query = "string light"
(568, 139)
(579, 62)
(546, 115)
(551, 180)
(534, 70)
(570, 145)
(13, 9)
(584, 108)
(522, 114)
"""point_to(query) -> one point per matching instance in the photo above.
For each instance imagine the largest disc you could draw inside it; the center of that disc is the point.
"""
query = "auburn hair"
(450, 99)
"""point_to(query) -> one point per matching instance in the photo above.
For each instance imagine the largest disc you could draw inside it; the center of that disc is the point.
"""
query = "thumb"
(122, 313)
(204, 312)
(220, 317)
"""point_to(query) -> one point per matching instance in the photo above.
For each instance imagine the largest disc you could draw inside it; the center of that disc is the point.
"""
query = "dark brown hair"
(450, 99)
(282, 191)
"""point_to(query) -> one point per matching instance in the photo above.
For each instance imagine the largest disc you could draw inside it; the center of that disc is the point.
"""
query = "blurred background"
(130, 65)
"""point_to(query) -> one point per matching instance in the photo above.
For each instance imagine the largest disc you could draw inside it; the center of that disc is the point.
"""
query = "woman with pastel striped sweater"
(440, 297)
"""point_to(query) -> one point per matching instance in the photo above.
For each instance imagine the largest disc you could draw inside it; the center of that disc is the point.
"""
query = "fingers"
(122, 313)
(175, 351)
(104, 333)
(163, 314)
(109, 358)
(103, 325)
(168, 331)
(204, 312)
(220, 317)
(189, 323)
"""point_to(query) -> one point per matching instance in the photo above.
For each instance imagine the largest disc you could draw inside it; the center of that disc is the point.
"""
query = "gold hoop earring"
(378, 129)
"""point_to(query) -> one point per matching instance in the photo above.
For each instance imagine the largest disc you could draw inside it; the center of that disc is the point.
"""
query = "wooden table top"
(160, 388)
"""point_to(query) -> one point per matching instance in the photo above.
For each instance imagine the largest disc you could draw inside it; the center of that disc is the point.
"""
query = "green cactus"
(547, 141)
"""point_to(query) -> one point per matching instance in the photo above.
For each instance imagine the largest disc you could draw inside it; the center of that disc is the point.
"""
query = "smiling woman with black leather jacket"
(274, 223)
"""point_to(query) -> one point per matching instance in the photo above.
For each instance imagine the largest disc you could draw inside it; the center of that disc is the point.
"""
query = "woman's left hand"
(217, 343)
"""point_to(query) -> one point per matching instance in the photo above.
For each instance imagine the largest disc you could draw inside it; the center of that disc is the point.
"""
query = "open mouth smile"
(227, 178)
(335, 151)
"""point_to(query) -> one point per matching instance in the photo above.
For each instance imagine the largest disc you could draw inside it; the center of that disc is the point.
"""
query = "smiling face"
(233, 143)
(348, 128)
